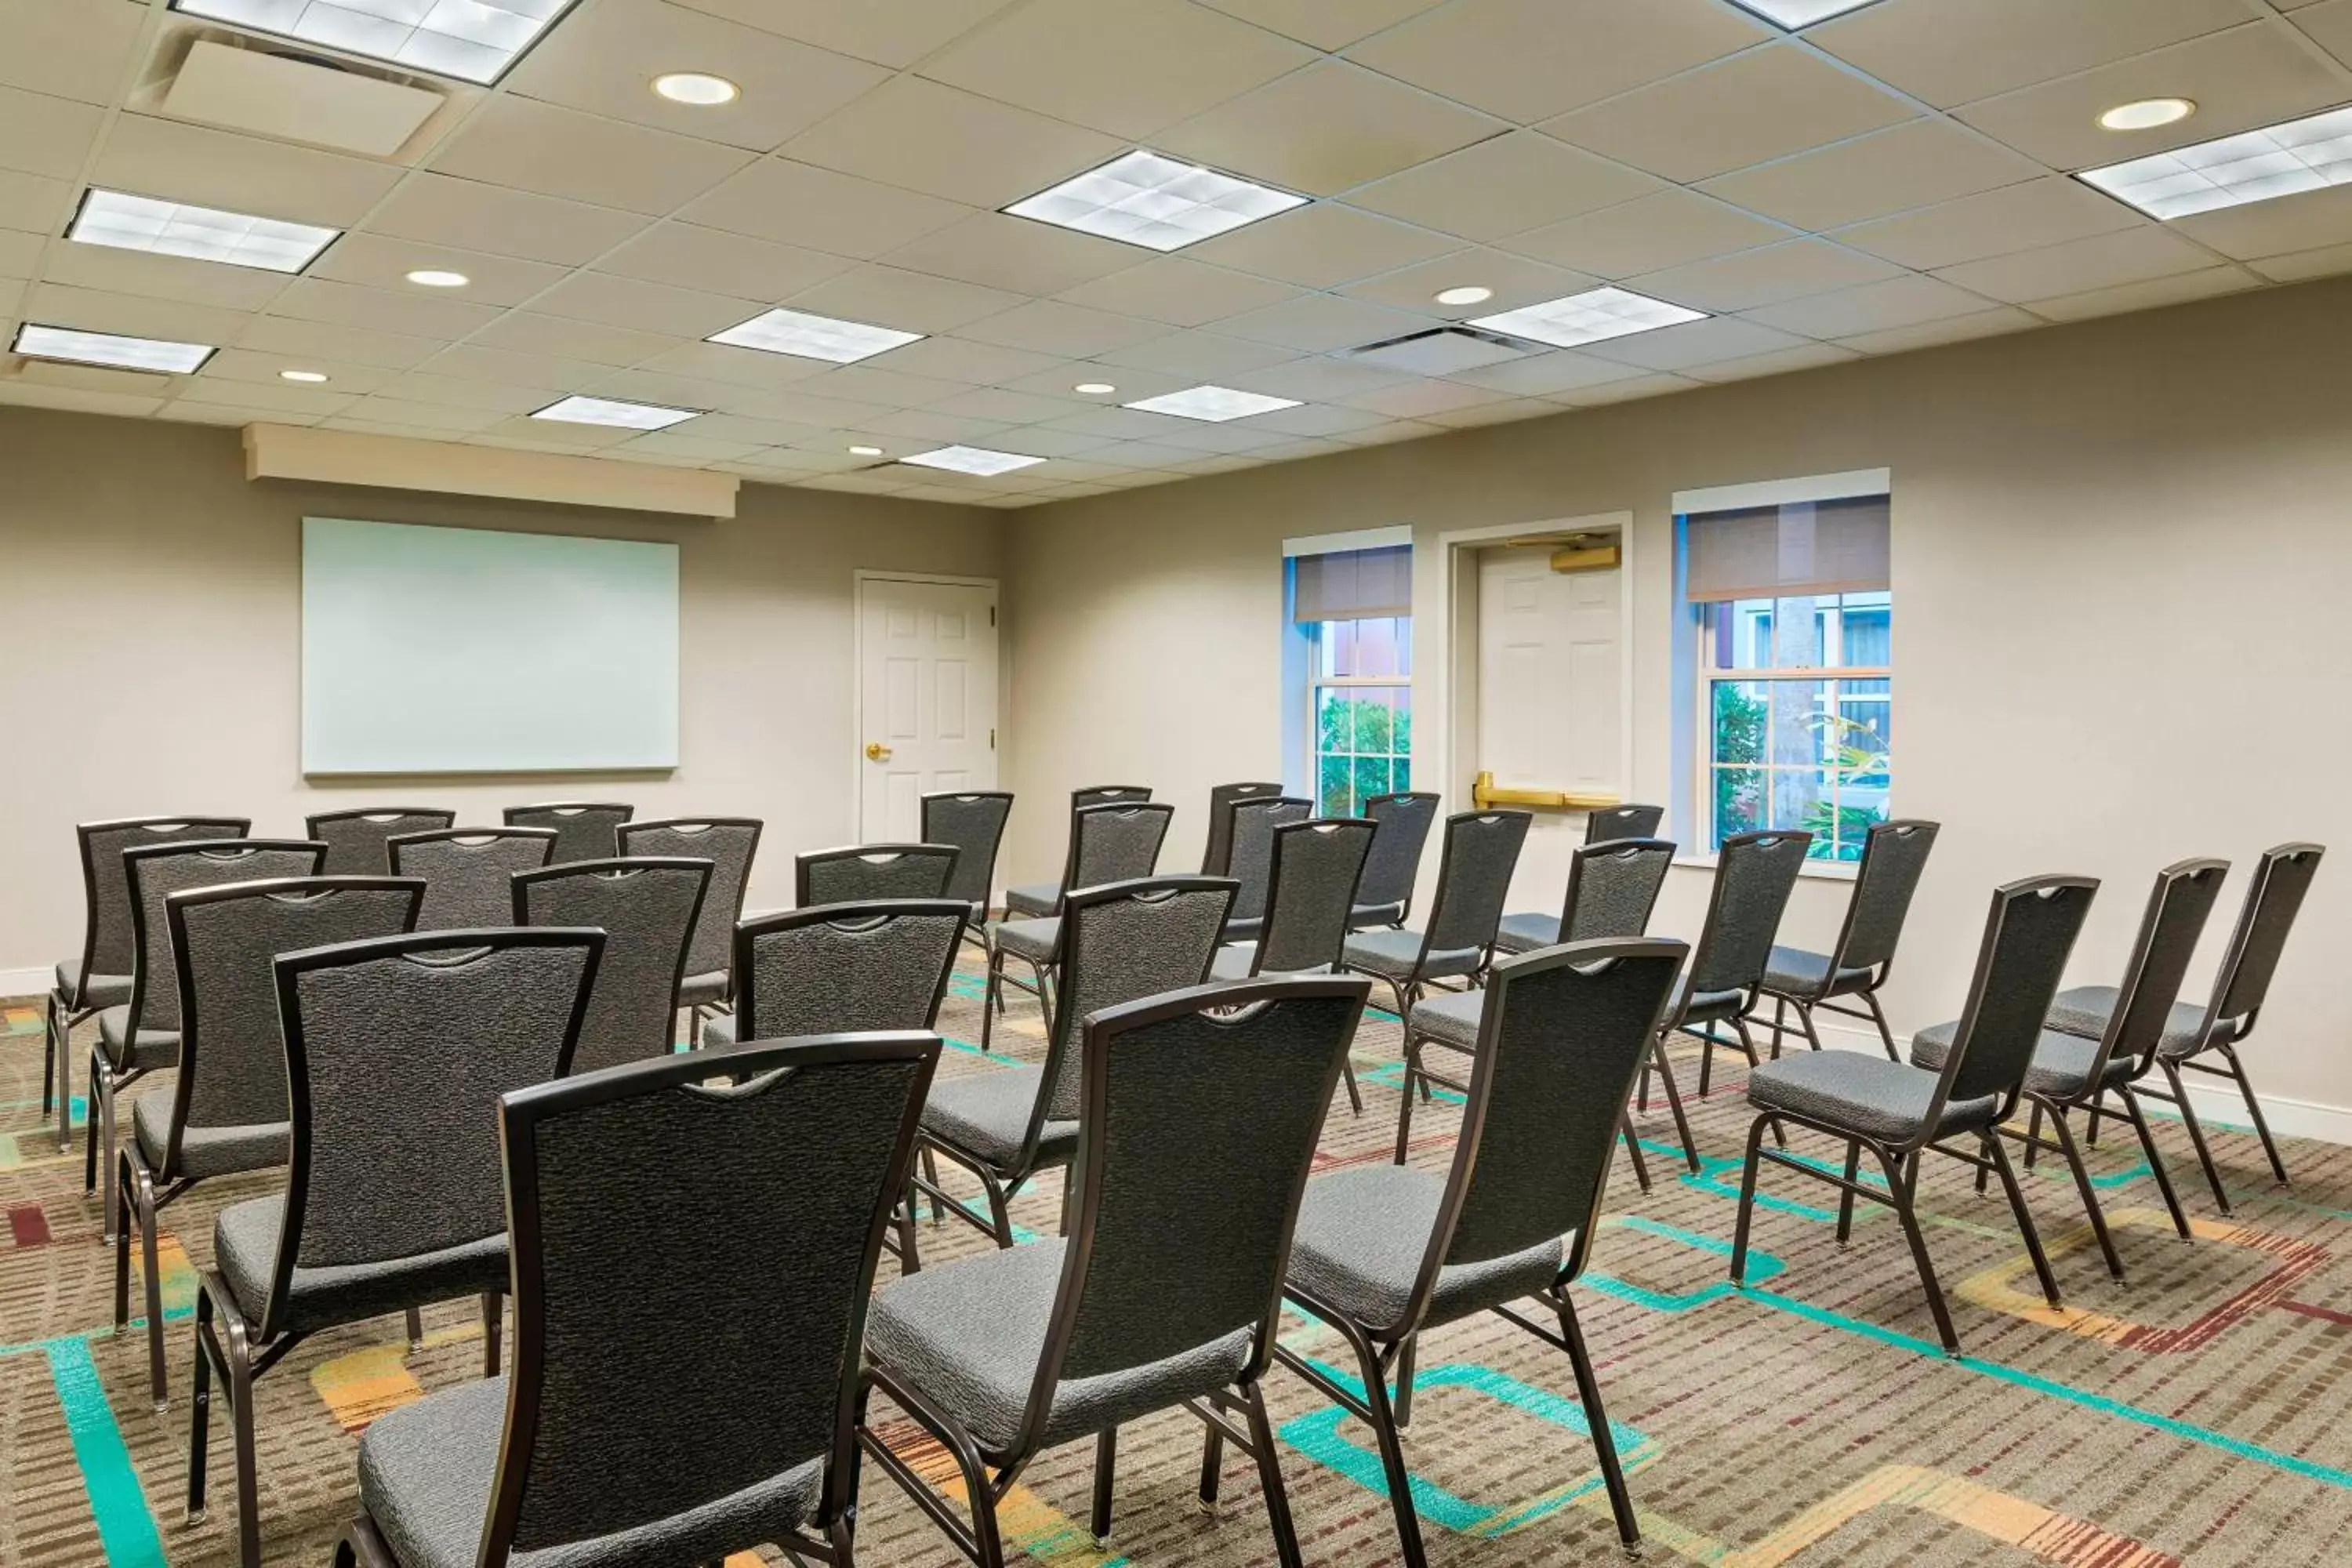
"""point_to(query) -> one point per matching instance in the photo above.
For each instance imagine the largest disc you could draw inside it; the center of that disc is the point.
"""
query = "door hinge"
(992, 740)
(992, 614)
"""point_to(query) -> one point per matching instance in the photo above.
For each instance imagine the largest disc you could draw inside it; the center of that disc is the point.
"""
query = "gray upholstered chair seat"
(1882, 1099)
(702, 990)
(1706, 1006)
(1524, 933)
(1363, 915)
(987, 1114)
(1361, 1235)
(1793, 971)
(105, 990)
(2084, 1010)
(1391, 953)
(1452, 1017)
(1031, 939)
(719, 1029)
(208, 1151)
(426, 1470)
(1034, 899)
(2061, 1062)
(245, 1251)
(970, 1335)
(153, 1049)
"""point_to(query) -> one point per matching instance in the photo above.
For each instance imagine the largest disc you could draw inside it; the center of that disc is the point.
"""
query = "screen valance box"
(1352, 586)
(1788, 551)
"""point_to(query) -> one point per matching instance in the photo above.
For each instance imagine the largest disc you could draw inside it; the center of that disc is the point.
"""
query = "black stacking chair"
(396, 1051)
(741, 1432)
(355, 839)
(468, 872)
(1892, 857)
(226, 1112)
(1385, 899)
(836, 969)
(1034, 900)
(1474, 877)
(729, 843)
(861, 872)
(647, 910)
(1113, 842)
(1608, 824)
(1385, 1252)
(2071, 1072)
(2193, 1034)
(1153, 1299)
(974, 821)
(142, 1035)
(1901, 1113)
(1612, 886)
(100, 977)
(1249, 855)
(1116, 943)
(584, 830)
(1310, 893)
(1217, 850)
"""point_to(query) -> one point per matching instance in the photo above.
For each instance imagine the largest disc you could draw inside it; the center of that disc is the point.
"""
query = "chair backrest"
(2185, 894)
(974, 821)
(159, 870)
(844, 968)
(1249, 852)
(1109, 795)
(469, 871)
(2028, 934)
(1197, 1131)
(1612, 886)
(1892, 857)
(729, 843)
(224, 945)
(747, 1318)
(1473, 878)
(1754, 876)
(1394, 864)
(1607, 824)
(355, 839)
(1114, 843)
(1562, 1036)
(1216, 854)
(1121, 942)
(396, 1052)
(2282, 877)
(647, 910)
(109, 945)
(1317, 866)
(584, 830)
(863, 871)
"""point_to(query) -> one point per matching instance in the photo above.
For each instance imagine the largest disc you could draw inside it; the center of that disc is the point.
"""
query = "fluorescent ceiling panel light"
(106, 349)
(813, 337)
(473, 40)
(972, 460)
(1156, 202)
(1795, 14)
(1594, 316)
(202, 233)
(605, 411)
(1214, 403)
(2308, 154)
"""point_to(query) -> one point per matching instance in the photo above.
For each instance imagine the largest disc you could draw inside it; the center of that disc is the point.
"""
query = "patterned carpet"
(2196, 1415)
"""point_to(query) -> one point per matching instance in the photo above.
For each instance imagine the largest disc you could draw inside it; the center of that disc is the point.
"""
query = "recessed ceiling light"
(812, 337)
(1214, 403)
(606, 411)
(2307, 154)
(437, 278)
(2146, 114)
(106, 349)
(1156, 202)
(473, 40)
(865, 451)
(1795, 14)
(973, 461)
(1594, 316)
(695, 88)
(127, 222)
(1472, 295)
(1095, 388)
(302, 375)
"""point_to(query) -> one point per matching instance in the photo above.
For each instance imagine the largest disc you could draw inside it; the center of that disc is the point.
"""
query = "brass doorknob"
(876, 751)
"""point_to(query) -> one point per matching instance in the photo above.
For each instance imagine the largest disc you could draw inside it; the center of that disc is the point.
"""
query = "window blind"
(1787, 552)
(1353, 584)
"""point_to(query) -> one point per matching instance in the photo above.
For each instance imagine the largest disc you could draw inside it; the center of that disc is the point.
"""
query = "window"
(1351, 611)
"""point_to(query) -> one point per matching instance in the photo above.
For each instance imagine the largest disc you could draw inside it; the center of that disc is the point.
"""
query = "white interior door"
(928, 691)
(1549, 698)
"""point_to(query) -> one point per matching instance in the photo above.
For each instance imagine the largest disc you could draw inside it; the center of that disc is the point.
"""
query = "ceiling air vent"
(1443, 350)
(296, 100)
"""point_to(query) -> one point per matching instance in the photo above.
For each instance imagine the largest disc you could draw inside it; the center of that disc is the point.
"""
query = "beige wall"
(2121, 557)
(150, 655)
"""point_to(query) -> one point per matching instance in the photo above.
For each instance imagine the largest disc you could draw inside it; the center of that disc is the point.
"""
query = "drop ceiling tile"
(1316, 379)
(142, 272)
(1318, 322)
(1424, 399)
(78, 50)
(120, 404)
(11, 295)
(689, 449)
(1036, 441)
(2329, 27)
(249, 366)
(644, 307)
(879, 382)
(860, 483)
(1143, 455)
(303, 342)
(896, 35)
(538, 435)
(670, 390)
(456, 392)
(1660, 231)
(526, 443)
(553, 152)
(800, 203)
(2015, 217)
(1502, 411)
(745, 368)
(1626, 391)
(1505, 185)
(1956, 51)
(180, 410)
(418, 312)
(1003, 407)
(1950, 329)
(133, 315)
(2251, 76)
(33, 204)
(1243, 435)
(2102, 261)
(1767, 276)
(380, 262)
(2274, 227)
(930, 425)
(1696, 343)
(602, 59)
(1075, 60)
(1914, 164)
(1323, 245)
(1129, 383)
(183, 162)
(999, 251)
(1073, 332)
(526, 332)
(1117, 423)
(468, 361)
(813, 413)
(1874, 307)
(908, 302)
(2306, 264)
(1527, 59)
(1177, 292)
(1327, 128)
(1516, 281)
(945, 142)
(1562, 370)
(438, 209)
(1197, 356)
(2146, 294)
(687, 255)
(750, 431)
(45, 135)
(1326, 23)
(1811, 356)
(1315, 419)
(437, 417)
(272, 398)
(973, 363)
(1395, 430)
(1766, 103)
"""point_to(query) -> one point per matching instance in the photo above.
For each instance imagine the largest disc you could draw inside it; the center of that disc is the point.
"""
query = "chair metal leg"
(1814, 1035)
(1269, 1477)
(1902, 1185)
(494, 1326)
(89, 1129)
(200, 1410)
(2139, 1119)
(911, 1260)
(2033, 1131)
(2008, 1173)
(1845, 1198)
(2066, 1146)
(136, 1206)
(1212, 1459)
(65, 1088)
(1674, 1100)
(240, 1417)
(416, 1320)
(932, 1175)
(1402, 1404)
(1347, 1078)
(2254, 1110)
(101, 1150)
(992, 997)
(1747, 1200)
(2196, 1133)
(1780, 1023)
(1106, 1465)
(1405, 1104)
(1399, 1479)
(50, 1014)
(1596, 1419)
(1633, 1148)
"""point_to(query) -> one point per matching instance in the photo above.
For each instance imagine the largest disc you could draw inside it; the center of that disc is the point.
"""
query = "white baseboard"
(33, 982)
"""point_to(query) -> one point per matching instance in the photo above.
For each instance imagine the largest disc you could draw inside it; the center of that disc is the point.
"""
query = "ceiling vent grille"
(293, 98)
(1443, 350)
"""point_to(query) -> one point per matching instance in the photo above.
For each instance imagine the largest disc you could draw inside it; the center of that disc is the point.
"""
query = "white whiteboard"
(439, 650)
